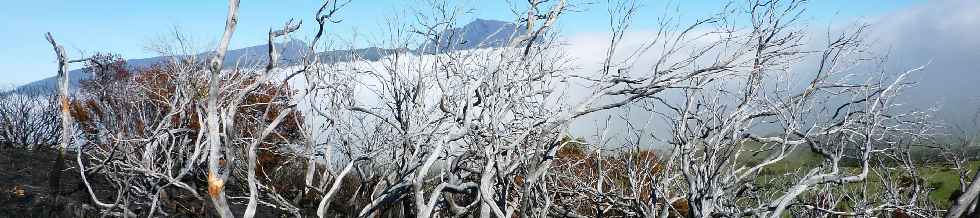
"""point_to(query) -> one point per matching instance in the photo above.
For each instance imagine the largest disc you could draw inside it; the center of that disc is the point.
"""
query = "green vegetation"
(939, 177)
(944, 180)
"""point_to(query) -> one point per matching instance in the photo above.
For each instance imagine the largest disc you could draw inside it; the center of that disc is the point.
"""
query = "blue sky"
(126, 27)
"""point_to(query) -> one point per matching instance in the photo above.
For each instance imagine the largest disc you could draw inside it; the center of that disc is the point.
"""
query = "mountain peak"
(479, 33)
(487, 22)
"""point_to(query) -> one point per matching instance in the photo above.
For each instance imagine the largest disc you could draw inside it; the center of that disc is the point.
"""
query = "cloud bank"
(946, 36)
(943, 35)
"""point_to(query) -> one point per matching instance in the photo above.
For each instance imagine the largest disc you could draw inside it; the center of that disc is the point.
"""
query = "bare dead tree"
(967, 203)
(216, 182)
(718, 111)
(446, 132)
(66, 120)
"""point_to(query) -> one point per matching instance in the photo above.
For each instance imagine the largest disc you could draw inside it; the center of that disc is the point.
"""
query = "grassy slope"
(943, 180)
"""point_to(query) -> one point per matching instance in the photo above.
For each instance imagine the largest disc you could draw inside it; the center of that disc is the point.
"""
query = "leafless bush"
(28, 119)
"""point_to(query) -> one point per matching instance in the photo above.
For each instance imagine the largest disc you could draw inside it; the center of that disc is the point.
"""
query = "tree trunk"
(55, 174)
(216, 182)
(965, 201)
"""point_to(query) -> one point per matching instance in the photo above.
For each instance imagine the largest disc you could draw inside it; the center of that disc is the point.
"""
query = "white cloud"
(946, 35)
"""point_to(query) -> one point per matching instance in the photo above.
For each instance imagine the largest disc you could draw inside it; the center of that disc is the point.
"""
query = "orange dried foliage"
(575, 161)
(116, 101)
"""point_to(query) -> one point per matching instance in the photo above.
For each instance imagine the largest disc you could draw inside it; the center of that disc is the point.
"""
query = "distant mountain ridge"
(477, 34)
(290, 52)
(480, 33)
